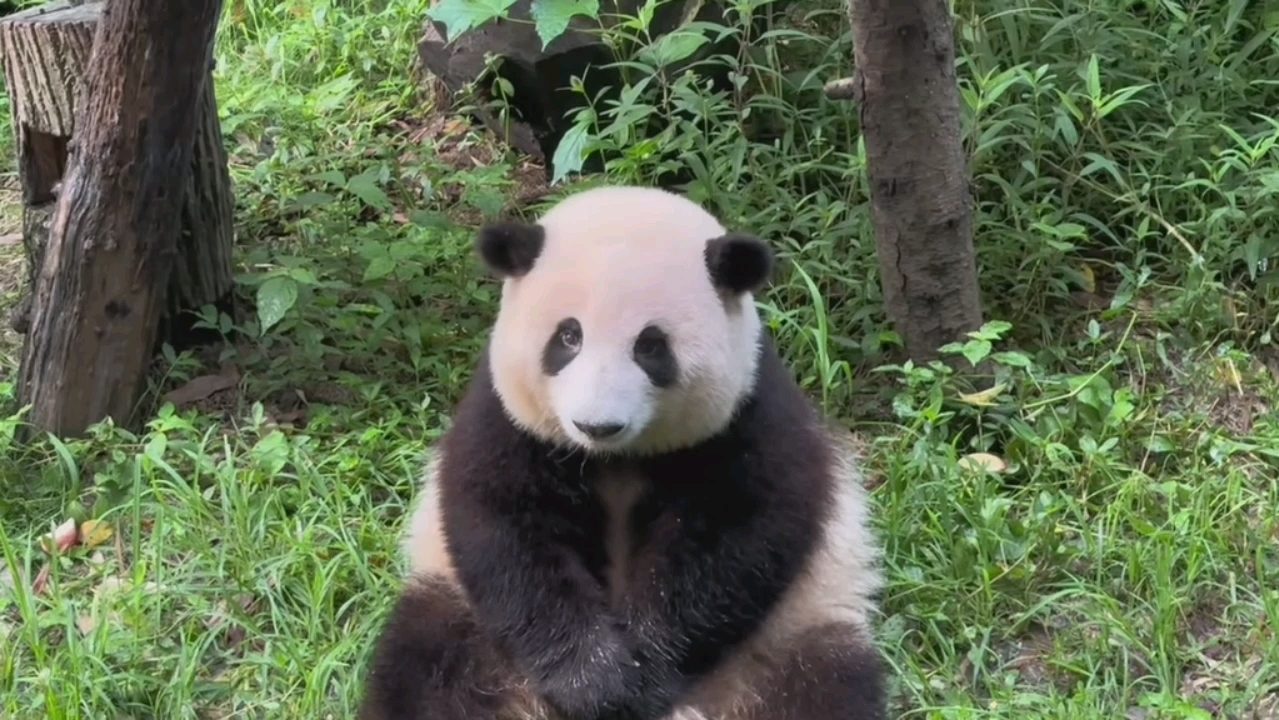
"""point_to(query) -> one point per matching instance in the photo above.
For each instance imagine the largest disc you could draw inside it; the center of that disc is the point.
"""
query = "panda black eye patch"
(652, 352)
(564, 345)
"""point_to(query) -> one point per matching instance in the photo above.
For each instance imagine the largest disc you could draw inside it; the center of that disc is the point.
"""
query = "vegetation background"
(1113, 554)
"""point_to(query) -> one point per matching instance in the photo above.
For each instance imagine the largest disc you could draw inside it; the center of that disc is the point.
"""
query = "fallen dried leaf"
(986, 461)
(200, 388)
(63, 538)
(94, 532)
(400, 218)
(85, 623)
(984, 398)
(1088, 278)
(119, 549)
(11, 239)
(455, 126)
(41, 582)
(110, 585)
(113, 584)
(217, 617)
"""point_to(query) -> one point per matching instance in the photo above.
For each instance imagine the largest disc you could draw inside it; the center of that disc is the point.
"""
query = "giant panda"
(636, 513)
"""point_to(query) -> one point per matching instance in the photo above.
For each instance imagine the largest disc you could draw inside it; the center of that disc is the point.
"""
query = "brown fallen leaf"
(199, 388)
(85, 623)
(94, 532)
(10, 239)
(400, 218)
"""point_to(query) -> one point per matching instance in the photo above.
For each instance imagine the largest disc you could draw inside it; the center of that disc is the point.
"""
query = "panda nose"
(599, 431)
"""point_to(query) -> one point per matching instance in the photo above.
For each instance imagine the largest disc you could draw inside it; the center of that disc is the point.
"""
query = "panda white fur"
(636, 512)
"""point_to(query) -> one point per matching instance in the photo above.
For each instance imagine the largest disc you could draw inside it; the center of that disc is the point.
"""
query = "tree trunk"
(204, 272)
(45, 52)
(114, 233)
(904, 54)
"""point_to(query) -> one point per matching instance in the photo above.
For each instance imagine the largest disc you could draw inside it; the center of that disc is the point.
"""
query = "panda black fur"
(636, 512)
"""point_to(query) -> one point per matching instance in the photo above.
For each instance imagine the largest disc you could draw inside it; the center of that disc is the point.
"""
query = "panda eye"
(562, 346)
(650, 343)
(653, 354)
(570, 334)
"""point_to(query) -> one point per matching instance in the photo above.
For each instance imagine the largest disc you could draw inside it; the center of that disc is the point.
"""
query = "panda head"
(627, 322)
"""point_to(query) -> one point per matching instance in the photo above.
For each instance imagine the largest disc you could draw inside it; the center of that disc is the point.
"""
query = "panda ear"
(738, 263)
(509, 249)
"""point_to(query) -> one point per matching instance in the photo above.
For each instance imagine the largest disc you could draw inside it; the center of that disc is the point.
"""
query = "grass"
(1123, 565)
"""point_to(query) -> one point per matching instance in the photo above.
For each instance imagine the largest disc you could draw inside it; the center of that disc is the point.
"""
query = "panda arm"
(708, 577)
(701, 590)
(531, 587)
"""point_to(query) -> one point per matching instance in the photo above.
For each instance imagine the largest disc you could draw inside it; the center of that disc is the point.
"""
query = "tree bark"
(204, 271)
(904, 53)
(115, 229)
(45, 52)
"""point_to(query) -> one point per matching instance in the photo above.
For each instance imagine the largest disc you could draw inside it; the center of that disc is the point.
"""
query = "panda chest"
(620, 490)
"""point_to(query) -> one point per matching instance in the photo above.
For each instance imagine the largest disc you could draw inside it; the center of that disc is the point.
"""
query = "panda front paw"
(609, 684)
(585, 694)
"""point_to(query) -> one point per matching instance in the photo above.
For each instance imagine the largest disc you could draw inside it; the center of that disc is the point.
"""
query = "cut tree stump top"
(43, 50)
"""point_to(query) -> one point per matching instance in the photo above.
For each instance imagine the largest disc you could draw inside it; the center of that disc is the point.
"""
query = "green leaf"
(459, 16)
(332, 177)
(1012, 359)
(275, 297)
(1094, 80)
(552, 17)
(364, 186)
(404, 250)
(1232, 19)
(333, 94)
(431, 219)
(992, 330)
(489, 201)
(570, 153)
(379, 267)
(976, 350)
(673, 47)
(302, 276)
(312, 199)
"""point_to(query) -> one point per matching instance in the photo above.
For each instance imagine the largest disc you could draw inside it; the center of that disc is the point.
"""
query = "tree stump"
(544, 105)
(45, 51)
(118, 221)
